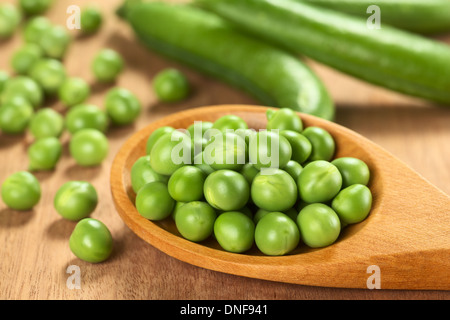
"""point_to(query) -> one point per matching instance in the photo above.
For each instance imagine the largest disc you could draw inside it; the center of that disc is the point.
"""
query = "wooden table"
(34, 252)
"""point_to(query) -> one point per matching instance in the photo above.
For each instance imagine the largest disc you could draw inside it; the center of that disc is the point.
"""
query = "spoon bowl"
(404, 243)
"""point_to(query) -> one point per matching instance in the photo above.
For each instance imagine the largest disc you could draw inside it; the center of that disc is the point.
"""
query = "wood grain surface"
(34, 252)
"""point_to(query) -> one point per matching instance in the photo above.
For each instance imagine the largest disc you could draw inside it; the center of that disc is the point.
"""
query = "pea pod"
(426, 17)
(209, 44)
(388, 57)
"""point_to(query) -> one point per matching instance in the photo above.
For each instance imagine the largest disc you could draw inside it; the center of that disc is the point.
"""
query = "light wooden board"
(35, 253)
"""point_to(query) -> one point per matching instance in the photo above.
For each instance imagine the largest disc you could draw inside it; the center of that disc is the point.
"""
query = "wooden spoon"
(404, 243)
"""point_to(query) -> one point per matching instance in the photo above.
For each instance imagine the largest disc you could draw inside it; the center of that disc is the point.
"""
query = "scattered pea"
(107, 65)
(44, 154)
(36, 28)
(90, 20)
(171, 85)
(15, 115)
(122, 106)
(89, 147)
(23, 86)
(91, 241)
(35, 7)
(10, 18)
(75, 200)
(4, 76)
(74, 91)
(86, 116)
(25, 57)
(50, 74)
(21, 191)
(56, 42)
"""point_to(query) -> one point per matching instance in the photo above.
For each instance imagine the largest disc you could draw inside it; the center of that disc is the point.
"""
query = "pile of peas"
(39, 75)
(304, 195)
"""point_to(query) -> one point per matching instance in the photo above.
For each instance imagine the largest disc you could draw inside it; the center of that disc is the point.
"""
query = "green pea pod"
(425, 17)
(207, 43)
(388, 57)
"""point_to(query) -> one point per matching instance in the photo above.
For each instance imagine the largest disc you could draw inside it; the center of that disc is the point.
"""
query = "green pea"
(195, 220)
(56, 42)
(74, 91)
(86, 116)
(36, 28)
(291, 213)
(353, 171)
(89, 147)
(274, 191)
(234, 231)
(25, 57)
(23, 86)
(46, 123)
(276, 234)
(226, 190)
(10, 19)
(249, 172)
(35, 7)
(226, 150)
(15, 116)
(176, 208)
(284, 119)
(91, 241)
(107, 65)
(50, 74)
(44, 154)
(352, 204)
(301, 147)
(4, 77)
(319, 225)
(200, 163)
(319, 181)
(199, 128)
(75, 200)
(323, 144)
(90, 20)
(142, 173)
(293, 168)
(171, 85)
(155, 135)
(171, 152)
(229, 122)
(186, 184)
(268, 149)
(122, 106)
(21, 191)
(153, 201)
